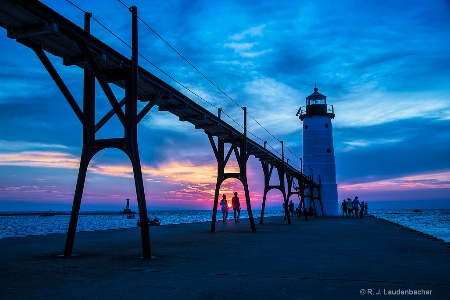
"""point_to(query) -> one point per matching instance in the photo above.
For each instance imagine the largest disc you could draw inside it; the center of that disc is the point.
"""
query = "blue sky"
(384, 65)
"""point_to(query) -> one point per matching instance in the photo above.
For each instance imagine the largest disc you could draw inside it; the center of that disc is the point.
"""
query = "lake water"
(20, 225)
(435, 222)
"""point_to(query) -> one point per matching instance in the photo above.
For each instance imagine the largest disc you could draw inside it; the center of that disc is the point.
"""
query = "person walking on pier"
(361, 212)
(356, 206)
(349, 207)
(291, 208)
(236, 207)
(224, 205)
(344, 208)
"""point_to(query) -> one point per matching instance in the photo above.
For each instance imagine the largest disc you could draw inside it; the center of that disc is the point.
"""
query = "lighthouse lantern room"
(318, 150)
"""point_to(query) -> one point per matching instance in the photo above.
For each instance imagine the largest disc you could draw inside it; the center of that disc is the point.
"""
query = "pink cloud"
(416, 182)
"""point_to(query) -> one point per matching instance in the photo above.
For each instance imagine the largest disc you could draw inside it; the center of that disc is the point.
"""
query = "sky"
(383, 65)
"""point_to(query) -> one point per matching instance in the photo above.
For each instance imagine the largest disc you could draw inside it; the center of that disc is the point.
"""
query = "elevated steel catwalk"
(30, 21)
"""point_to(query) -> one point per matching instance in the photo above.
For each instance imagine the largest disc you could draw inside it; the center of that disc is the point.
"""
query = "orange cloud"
(125, 171)
(184, 172)
(39, 159)
(173, 180)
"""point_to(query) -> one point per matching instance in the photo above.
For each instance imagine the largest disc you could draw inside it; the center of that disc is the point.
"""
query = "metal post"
(281, 172)
(88, 93)
(319, 195)
(302, 194)
(244, 172)
(131, 134)
(220, 177)
(131, 100)
(265, 168)
(86, 154)
(301, 166)
(244, 144)
(216, 201)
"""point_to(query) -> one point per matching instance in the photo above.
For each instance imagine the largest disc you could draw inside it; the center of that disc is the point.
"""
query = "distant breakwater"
(61, 213)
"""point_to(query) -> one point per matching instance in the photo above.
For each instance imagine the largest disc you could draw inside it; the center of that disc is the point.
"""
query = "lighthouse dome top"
(316, 105)
(316, 98)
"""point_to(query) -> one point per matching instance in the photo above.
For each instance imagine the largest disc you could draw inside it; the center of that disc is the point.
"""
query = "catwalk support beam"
(268, 168)
(297, 190)
(239, 148)
(91, 145)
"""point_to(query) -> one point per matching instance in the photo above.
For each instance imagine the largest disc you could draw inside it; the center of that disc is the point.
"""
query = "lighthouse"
(318, 150)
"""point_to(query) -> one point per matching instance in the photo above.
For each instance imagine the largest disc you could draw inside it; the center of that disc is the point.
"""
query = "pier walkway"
(325, 258)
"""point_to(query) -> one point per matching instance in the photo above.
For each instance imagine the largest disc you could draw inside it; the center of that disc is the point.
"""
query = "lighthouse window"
(306, 126)
(328, 150)
(326, 125)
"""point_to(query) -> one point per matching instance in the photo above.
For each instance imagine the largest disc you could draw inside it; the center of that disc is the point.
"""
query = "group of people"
(354, 208)
(236, 208)
(349, 208)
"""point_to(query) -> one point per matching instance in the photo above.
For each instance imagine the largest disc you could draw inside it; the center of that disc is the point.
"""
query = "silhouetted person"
(291, 208)
(236, 207)
(349, 207)
(344, 208)
(361, 212)
(224, 205)
(366, 208)
(355, 203)
(298, 210)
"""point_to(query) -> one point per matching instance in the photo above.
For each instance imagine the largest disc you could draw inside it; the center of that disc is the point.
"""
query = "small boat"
(417, 210)
(131, 216)
(48, 214)
(154, 222)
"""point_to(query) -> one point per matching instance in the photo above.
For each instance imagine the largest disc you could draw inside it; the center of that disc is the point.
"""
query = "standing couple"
(236, 208)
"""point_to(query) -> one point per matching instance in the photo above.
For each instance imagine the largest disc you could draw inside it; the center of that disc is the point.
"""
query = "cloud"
(176, 172)
(416, 182)
(39, 159)
(165, 121)
(243, 49)
(251, 32)
(239, 47)
(247, 49)
(24, 145)
(278, 98)
(352, 145)
(35, 189)
(381, 107)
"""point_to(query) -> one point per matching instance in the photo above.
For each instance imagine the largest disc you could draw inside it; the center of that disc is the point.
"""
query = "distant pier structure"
(127, 209)
(318, 150)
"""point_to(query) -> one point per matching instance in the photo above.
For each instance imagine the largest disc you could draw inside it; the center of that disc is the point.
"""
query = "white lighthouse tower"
(318, 150)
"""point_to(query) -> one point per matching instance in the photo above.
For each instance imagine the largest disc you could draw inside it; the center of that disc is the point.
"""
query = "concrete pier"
(325, 258)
